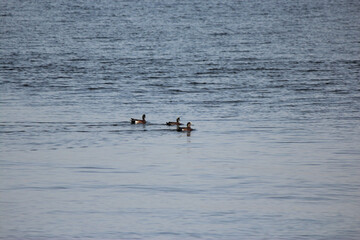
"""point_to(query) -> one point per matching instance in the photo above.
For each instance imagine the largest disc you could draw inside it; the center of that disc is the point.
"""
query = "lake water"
(271, 87)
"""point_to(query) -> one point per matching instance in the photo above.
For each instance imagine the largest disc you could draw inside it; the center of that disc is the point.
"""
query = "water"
(272, 88)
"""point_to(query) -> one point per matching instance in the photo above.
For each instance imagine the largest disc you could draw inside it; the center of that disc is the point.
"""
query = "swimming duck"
(185, 129)
(174, 123)
(138, 121)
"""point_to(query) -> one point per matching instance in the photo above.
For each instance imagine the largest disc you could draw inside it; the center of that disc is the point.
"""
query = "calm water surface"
(272, 88)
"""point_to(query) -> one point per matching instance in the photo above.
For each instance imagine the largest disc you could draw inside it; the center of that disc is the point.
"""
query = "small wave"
(97, 88)
(198, 83)
(219, 34)
(78, 60)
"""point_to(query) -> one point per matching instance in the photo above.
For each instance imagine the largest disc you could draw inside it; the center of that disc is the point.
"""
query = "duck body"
(185, 129)
(174, 123)
(139, 121)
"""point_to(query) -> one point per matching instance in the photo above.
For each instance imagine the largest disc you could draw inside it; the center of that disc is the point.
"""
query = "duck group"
(176, 123)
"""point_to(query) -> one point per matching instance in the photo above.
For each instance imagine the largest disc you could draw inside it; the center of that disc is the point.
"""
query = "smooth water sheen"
(272, 88)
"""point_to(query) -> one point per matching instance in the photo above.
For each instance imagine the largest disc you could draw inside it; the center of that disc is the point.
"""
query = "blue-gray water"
(272, 88)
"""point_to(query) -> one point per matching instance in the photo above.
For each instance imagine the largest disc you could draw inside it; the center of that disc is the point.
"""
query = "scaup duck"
(138, 121)
(174, 123)
(185, 129)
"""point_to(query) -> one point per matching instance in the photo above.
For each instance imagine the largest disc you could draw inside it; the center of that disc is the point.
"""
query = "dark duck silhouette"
(139, 121)
(174, 123)
(185, 129)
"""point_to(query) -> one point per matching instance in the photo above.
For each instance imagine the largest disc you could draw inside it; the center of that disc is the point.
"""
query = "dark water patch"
(219, 34)
(99, 88)
(299, 198)
(12, 132)
(314, 70)
(161, 189)
(168, 233)
(107, 172)
(176, 90)
(97, 169)
(199, 83)
(38, 188)
(78, 60)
